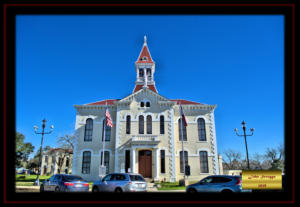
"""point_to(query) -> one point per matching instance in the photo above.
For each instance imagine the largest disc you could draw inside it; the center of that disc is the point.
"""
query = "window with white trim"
(203, 162)
(141, 124)
(149, 124)
(183, 132)
(88, 133)
(185, 159)
(86, 162)
(201, 129)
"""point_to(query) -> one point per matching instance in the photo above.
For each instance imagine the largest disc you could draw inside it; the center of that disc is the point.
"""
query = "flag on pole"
(108, 118)
(182, 115)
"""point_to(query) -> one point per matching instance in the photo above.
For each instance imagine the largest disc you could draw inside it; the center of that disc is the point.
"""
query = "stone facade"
(51, 161)
(158, 117)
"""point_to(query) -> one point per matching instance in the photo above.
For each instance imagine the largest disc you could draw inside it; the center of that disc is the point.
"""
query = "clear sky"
(234, 61)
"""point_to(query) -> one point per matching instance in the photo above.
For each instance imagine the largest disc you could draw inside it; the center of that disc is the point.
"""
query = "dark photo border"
(10, 10)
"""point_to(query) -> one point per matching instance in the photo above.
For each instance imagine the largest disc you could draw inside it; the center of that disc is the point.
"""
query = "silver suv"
(120, 182)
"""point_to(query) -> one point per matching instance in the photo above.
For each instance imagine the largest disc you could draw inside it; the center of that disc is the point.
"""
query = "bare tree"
(275, 157)
(66, 147)
(66, 142)
(232, 160)
(256, 161)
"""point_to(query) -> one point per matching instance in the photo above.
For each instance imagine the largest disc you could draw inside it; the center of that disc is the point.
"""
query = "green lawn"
(28, 180)
(172, 186)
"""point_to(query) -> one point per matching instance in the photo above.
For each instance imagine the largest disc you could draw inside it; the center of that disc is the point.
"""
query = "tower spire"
(145, 68)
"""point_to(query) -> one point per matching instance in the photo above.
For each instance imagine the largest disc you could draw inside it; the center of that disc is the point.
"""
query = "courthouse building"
(57, 160)
(145, 137)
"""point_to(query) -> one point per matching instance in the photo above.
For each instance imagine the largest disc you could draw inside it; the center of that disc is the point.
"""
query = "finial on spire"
(145, 39)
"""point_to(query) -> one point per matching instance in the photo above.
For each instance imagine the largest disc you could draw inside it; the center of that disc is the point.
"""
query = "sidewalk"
(27, 188)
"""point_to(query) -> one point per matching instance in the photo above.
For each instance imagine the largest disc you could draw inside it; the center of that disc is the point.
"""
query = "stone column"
(156, 164)
(145, 77)
(133, 160)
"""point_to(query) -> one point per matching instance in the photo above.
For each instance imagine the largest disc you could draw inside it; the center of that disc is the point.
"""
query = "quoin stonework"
(145, 137)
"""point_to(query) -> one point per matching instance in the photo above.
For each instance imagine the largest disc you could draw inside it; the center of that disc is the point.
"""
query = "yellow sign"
(261, 179)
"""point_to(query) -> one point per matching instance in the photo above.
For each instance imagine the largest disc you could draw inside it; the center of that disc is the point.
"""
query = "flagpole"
(104, 128)
(183, 157)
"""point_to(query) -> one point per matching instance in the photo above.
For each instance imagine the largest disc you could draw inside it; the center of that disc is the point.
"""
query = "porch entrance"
(145, 163)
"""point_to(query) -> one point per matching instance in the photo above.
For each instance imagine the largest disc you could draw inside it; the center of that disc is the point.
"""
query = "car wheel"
(42, 189)
(56, 189)
(226, 191)
(95, 189)
(118, 190)
(192, 190)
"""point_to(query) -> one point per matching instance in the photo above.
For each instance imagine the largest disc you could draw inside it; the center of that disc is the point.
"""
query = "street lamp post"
(37, 182)
(245, 136)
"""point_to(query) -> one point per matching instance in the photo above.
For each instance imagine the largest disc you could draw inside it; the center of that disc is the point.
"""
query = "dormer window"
(144, 58)
(147, 104)
(142, 104)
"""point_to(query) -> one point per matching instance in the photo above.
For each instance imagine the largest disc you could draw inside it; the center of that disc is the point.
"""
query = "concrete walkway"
(27, 188)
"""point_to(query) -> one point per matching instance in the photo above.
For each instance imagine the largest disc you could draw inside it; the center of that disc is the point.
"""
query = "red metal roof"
(184, 102)
(145, 53)
(139, 87)
(108, 101)
(60, 149)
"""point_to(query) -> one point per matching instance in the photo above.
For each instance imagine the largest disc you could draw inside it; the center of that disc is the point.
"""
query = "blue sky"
(234, 61)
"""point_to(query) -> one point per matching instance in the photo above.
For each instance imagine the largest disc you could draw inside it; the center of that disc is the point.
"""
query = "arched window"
(185, 159)
(162, 124)
(67, 162)
(86, 162)
(149, 124)
(88, 133)
(106, 160)
(147, 104)
(201, 129)
(141, 73)
(183, 130)
(203, 162)
(141, 124)
(107, 131)
(46, 159)
(149, 74)
(45, 169)
(142, 104)
(128, 123)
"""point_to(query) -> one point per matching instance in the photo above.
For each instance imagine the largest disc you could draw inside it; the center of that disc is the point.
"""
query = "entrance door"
(145, 163)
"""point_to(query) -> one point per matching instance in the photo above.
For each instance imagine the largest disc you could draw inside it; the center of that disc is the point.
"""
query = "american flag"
(183, 117)
(108, 118)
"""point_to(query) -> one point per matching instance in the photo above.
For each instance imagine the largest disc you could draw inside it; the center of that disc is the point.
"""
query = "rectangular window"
(107, 131)
(106, 161)
(141, 124)
(162, 161)
(127, 160)
(203, 162)
(162, 125)
(67, 162)
(86, 162)
(128, 122)
(181, 160)
(88, 133)
(183, 131)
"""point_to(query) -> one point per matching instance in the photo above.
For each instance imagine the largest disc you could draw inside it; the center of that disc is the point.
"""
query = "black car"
(65, 183)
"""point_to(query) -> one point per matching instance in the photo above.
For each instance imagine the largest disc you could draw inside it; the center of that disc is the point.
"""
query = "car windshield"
(136, 178)
(73, 178)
